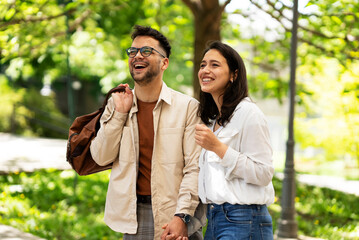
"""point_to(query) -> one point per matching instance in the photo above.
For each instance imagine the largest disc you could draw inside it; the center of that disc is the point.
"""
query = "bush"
(44, 203)
(27, 112)
(321, 212)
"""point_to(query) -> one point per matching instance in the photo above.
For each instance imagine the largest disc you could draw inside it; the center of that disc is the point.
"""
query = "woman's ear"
(234, 76)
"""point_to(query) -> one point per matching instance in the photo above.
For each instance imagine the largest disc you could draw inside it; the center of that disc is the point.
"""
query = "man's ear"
(165, 63)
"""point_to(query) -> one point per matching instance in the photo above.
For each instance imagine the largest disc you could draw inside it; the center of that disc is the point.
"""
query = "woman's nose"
(206, 69)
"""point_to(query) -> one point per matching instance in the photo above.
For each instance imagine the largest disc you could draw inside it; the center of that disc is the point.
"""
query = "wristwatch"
(185, 217)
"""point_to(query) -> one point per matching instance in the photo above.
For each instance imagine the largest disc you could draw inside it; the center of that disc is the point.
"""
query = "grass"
(44, 204)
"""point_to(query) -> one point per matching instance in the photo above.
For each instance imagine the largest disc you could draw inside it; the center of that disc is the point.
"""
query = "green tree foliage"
(329, 119)
(326, 28)
(39, 38)
(42, 33)
(41, 42)
(327, 77)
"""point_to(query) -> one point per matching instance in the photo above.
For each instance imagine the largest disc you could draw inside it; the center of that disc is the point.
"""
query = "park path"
(28, 154)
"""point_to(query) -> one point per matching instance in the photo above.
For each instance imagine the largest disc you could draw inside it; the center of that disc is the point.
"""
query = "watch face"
(186, 218)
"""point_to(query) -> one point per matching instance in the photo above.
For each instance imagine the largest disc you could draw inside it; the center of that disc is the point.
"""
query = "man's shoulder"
(179, 96)
(181, 99)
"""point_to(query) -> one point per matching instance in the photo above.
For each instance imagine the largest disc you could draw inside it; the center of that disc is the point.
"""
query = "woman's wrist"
(221, 150)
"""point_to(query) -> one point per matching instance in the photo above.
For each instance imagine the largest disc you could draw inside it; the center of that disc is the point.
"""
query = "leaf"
(336, 20)
(9, 14)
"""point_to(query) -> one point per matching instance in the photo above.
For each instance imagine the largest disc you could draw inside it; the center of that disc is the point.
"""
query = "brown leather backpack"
(81, 133)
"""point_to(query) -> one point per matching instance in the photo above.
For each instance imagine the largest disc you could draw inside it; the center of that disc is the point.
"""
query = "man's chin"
(142, 81)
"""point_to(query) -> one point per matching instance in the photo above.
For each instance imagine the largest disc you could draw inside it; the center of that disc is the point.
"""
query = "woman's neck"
(218, 100)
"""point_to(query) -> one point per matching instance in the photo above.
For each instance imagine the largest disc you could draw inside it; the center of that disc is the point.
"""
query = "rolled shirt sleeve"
(251, 160)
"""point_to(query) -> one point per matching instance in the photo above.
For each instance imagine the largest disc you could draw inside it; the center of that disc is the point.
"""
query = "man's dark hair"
(235, 91)
(148, 31)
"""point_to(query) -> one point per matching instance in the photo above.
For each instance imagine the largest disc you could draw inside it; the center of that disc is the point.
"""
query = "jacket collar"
(165, 95)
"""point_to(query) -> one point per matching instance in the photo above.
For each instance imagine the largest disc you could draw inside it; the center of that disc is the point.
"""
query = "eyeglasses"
(145, 51)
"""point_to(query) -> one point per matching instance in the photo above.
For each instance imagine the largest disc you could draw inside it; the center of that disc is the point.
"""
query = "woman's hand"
(207, 140)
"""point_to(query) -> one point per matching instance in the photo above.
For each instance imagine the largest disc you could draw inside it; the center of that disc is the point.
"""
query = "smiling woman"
(214, 74)
(236, 167)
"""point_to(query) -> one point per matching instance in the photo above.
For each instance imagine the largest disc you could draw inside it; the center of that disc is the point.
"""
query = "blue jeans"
(228, 222)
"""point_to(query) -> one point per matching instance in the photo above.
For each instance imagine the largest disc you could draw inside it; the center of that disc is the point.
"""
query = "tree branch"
(192, 4)
(80, 19)
(33, 19)
(317, 33)
(328, 53)
(310, 43)
(225, 5)
(300, 26)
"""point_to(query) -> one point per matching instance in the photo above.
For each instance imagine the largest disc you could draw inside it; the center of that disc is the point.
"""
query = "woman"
(236, 170)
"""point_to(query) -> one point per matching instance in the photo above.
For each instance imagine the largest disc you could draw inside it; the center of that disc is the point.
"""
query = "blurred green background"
(59, 58)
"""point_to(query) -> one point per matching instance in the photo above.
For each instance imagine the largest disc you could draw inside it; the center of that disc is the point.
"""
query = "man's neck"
(150, 92)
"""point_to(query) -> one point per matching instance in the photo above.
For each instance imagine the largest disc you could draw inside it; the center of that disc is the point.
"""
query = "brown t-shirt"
(146, 135)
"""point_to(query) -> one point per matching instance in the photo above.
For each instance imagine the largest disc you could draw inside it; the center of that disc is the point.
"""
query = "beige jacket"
(174, 176)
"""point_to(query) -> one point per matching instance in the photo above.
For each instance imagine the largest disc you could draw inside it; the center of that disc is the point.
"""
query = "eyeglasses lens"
(145, 51)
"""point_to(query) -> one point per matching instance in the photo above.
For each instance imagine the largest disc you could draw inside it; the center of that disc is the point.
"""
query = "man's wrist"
(184, 217)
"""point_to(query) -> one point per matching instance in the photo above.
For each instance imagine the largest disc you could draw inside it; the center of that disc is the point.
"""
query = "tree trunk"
(207, 25)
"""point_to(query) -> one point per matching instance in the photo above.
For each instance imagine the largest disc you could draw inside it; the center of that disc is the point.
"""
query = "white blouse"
(244, 174)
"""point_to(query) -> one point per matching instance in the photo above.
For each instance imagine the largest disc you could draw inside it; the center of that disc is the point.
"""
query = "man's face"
(145, 69)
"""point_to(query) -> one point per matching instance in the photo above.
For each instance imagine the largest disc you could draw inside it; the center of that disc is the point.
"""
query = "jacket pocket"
(127, 151)
(169, 145)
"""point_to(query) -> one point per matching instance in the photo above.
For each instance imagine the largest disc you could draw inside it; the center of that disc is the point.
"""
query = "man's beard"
(148, 77)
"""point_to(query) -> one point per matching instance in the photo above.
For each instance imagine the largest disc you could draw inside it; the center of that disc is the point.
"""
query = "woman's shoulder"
(247, 105)
(248, 109)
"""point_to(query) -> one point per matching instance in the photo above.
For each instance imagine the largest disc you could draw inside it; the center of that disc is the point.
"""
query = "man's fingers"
(165, 232)
(170, 237)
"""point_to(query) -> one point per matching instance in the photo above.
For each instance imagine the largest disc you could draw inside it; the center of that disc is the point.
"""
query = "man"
(148, 135)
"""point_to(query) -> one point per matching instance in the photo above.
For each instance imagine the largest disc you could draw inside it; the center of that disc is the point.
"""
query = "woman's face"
(214, 73)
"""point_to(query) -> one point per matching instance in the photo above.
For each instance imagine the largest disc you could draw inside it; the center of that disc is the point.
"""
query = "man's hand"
(175, 230)
(123, 100)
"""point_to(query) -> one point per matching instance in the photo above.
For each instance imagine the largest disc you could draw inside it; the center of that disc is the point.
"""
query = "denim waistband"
(242, 206)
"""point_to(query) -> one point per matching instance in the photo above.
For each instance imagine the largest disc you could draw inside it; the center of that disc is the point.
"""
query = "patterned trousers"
(145, 230)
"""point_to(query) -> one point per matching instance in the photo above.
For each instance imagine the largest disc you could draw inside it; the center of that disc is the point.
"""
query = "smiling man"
(148, 135)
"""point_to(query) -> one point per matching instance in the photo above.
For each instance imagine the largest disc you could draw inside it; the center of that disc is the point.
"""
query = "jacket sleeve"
(188, 198)
(105, 146)
(251, 157)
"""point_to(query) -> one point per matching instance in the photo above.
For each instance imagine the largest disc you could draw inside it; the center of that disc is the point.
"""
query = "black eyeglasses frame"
(142, 49)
